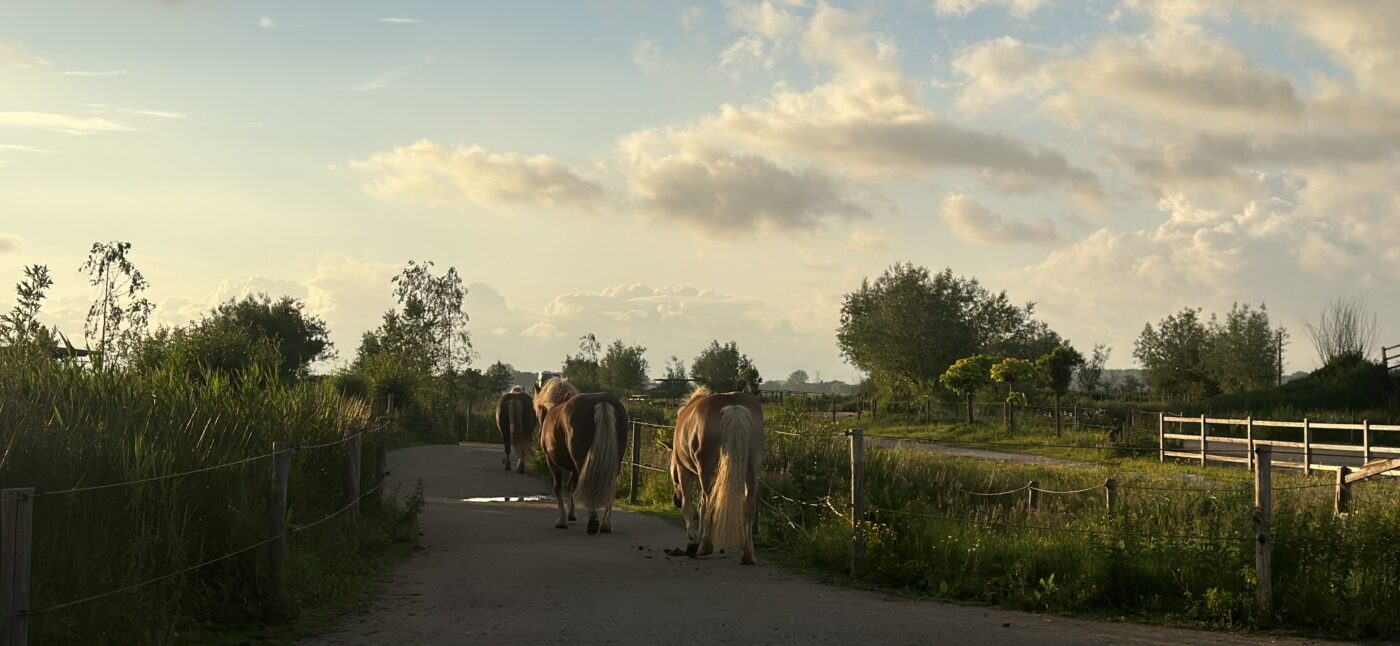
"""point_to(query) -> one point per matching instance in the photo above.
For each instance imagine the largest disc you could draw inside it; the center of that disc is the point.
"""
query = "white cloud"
(400, 21)
(1017, 8)
(542, 330)
(13, 55)
(424, 171)
(647, 55)
(974, 223)
(159, 114)
(9, 243)
(692, 18)
(387, 78)
(771, 20)
(25, 149)
(94, 72)
(869, 240)
(266, 22)
(60, 123)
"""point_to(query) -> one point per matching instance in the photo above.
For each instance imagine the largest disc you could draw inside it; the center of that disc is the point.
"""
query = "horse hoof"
(606, 529)
(573, 517)
(747, 560)
(691, 549)
(705, 551)
(592, 526)
(521, 469)
(561, 525)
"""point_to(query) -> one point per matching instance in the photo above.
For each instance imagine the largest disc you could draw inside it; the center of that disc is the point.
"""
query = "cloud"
(13, 55)
(9, 243)
(1017, 8)
(647, 55)
(424, 171)
(266, 22)
(692, 18)
(94, 73)
(159, 114)
(25, 149)
(869, 241)
(723, 195)
(60, 123)
(771, 20)
(386, 79)
(542, 330)
(974, 223)
(400, 21)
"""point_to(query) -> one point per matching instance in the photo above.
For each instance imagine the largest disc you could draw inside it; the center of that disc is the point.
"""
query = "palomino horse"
(719, 440)
(583, 435)
(515, 417)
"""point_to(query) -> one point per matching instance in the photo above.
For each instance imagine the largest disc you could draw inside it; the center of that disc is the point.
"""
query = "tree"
(623, 370)
(1057, 369)
(673, 381)
(583, 370)
(797, 379)
(21, 327)
(117, 319)
(1173, 356)
(1244, 350)
(1013, 371)
(719, 367)
(1346, 331)
(908, 326)
(966, 376)
(497, 378)
(1090, 375)
(300, 338)
(434, 305)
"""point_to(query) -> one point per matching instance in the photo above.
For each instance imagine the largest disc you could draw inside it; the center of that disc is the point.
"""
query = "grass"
(1178, 549)
(63, 427)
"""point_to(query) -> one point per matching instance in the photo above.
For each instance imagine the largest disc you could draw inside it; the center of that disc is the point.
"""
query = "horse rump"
(729, 523)
(597, 484)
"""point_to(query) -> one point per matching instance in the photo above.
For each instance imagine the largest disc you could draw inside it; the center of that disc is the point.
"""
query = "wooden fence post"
(1307, 447)
(1110, 495)
(857, 501)
(351, 473)
(381, 459)
(1263, 544)
(1249, 437)
(833, 408)
(1343, 491)
(1161, 437)
(1365, 441)
(1033, 496)
(16, 543)
(636, 485)
(1203, 440)
(277, 549)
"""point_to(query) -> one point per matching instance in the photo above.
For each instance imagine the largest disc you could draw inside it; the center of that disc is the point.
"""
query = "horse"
(516, 419)
(583, 435)
(719, 442)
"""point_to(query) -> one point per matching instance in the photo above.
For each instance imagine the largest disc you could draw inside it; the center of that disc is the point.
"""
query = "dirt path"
(499, 573)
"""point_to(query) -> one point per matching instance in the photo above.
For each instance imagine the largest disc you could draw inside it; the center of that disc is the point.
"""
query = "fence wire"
(1072, 530)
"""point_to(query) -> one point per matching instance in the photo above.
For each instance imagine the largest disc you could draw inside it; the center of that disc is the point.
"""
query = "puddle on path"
(507, 499)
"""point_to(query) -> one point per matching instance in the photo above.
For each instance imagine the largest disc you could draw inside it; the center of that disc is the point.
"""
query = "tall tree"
(719, 367)
(1244, 349)
(117, 319)
(1173, 356)
(1346, 331)
(1057, 369)
(1090, 375)
(497, 378)
(623, 369)
(583, 370)
(673, 378)
(301, 338)
(433, 303)
(908, 326)
(1014, 372)
(21, 326)
(797, 380)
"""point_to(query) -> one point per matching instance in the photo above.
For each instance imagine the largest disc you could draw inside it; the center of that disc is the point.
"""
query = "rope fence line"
(203, 564)
(213, 467)
(644, 466)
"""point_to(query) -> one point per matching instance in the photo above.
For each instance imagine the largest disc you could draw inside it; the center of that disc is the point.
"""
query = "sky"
(670, 173)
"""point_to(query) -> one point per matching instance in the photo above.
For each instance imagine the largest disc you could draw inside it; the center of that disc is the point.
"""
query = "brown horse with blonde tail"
(583, 436)
(516, 419)
(719, 445)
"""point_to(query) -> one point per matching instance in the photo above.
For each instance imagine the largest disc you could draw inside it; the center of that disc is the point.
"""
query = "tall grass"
(1179, 546)
(64, 426)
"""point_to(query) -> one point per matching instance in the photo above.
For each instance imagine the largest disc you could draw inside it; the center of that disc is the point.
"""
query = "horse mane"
(555, 391)
(700, 391)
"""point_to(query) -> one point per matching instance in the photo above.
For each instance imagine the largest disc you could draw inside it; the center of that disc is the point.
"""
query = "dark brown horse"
(515, 417)
(583, 436)
(719, 443)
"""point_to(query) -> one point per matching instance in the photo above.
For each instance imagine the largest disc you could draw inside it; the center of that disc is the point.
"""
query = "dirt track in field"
(499, 573)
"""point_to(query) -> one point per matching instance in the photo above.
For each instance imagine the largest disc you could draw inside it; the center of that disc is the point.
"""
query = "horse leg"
(505, 439)
(606, 526)
(707, 545)
(558, 475)
(688, 511)
(750, 513)
(573, 484)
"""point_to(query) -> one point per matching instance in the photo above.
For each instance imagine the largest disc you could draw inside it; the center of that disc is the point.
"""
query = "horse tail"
(597, 481)
(738, 459)
(519, 434)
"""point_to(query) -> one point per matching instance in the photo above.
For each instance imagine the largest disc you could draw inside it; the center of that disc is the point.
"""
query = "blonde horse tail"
(726, 508)
(519, 435)
(597, 481)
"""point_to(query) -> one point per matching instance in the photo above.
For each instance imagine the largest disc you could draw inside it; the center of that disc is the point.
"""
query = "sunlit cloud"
(388, 78)
(62, 123)
(266, 22)
(400, 21)
(94, 73)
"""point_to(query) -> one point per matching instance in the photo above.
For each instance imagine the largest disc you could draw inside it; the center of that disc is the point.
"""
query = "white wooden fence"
(1210, 439)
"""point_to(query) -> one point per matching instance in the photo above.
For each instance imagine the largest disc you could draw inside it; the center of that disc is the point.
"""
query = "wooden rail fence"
(1232, 440)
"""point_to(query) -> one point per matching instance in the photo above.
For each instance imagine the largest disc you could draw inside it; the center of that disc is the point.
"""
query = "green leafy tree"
(797, 380)
(1173, 356)
(433, 303)
(908, 326)
(118, 317)
(1090, 375)
(1244, 349)
(719, 367)
(21, 326)
(301, 338)
(583, 369)
(1057, 369)
(967, 376)
(1345, 333)
(674, 379)
(1014, 372)
(497, 378)
(623, 369)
